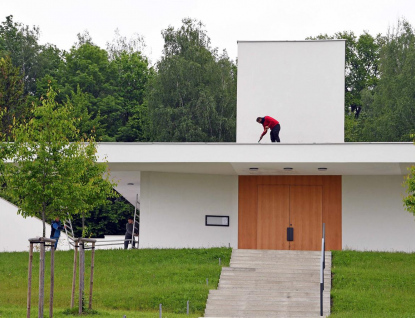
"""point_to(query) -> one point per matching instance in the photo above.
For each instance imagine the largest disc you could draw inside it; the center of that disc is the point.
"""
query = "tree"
(391, 104)
(107, 219)
(130, 77)
(86, 126)
(409, 201)
(192, 96)
(362, 64)
(51, 176)
(20, 42)
(94, 185)
(12, 100)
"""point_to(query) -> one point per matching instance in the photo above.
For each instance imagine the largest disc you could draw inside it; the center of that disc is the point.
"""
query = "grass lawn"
(373, 284)
(126, 282)
(135, 282)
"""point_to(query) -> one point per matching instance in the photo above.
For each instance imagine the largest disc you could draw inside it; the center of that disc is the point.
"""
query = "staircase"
(268, 283)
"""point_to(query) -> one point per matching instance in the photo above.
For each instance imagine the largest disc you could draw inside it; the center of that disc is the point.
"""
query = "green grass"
(373, 284)
(135, 282)
(126, 282)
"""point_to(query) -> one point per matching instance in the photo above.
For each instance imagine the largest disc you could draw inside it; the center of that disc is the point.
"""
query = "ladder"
(68, 228)
(136, 224)
(70, 234)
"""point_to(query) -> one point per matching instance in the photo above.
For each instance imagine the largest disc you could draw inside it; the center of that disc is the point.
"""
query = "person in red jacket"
(270, 123)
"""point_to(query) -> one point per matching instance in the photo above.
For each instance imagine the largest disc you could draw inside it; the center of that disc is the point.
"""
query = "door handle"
(290, 234)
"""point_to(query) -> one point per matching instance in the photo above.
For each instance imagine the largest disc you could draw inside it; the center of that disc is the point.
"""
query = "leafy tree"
(120, 44)
(192, 96)
(130, 77)
(12, 100)
(86, 126)
(51, 176)
(94, 185)
(362, 64)
(107, 219)
(390, 105)
(20, 42)
(409, 201)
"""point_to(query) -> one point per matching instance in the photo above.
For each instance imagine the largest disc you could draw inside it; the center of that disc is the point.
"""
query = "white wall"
(174, 205)
(373, 214)
(301, 84)
(15, 230)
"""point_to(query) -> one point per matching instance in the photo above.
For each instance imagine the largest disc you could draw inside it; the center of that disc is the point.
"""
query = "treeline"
(379, 84)
(189, 95)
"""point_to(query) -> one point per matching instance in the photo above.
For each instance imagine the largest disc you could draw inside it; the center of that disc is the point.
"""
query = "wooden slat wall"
(273, 217)
(306, 204)
(332, 211)
(247, 215)
(248, 206)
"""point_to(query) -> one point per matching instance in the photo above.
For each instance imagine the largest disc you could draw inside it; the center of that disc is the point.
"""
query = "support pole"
(81, 275)
(52, 279)
(29, 285)
(91, 284)
(75, 263)
(41, 279)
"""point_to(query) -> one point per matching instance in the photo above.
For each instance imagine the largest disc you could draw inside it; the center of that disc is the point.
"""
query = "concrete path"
(268, 283)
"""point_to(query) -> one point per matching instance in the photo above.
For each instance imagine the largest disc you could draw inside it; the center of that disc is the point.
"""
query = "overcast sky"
(226, 21)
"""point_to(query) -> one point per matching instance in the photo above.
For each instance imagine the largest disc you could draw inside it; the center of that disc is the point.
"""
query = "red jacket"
(270, 122)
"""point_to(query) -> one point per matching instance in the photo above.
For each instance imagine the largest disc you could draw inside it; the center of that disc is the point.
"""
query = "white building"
(259, 190)
(15, 230)
(354, 188)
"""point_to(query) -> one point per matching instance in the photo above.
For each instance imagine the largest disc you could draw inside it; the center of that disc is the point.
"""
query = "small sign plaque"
(217, 220)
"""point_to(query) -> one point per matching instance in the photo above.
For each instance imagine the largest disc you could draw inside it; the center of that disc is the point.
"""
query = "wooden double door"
(267, 205)
(284, 206)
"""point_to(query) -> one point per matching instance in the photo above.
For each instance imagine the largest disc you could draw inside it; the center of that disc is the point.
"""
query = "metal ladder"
(70, 236)
(68, 228)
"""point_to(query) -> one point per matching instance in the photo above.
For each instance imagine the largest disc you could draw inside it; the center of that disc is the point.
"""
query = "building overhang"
(127, 160)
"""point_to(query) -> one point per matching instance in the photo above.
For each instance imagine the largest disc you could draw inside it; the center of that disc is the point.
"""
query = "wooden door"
(306, 207)
(273, 217)
(250, 205)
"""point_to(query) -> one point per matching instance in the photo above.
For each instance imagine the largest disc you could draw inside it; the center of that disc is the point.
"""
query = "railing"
(322, 267)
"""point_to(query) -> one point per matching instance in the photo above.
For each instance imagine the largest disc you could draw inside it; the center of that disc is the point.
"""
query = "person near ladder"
(270, 123)
(129, 232)
(55, 231)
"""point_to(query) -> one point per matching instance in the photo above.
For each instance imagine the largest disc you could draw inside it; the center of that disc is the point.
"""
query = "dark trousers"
(275, 133)
(56, 243)
(128, 237)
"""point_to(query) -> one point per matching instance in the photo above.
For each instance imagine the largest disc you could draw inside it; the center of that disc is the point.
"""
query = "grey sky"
(226, 21)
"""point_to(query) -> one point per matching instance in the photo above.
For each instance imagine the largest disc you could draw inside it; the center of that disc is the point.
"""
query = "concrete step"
(264, 297)
(271, 270)
(285, 316)
(268, 283)
(282, 277)
(274, 266)
(280, 256)
(249, 275)
(266, 304)
(258, 264)
(269, 289)
(264, 313)
(261, 293)
(289, 252)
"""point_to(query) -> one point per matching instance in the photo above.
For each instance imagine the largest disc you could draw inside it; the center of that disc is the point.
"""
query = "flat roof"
(260, 153)
(127, 160)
